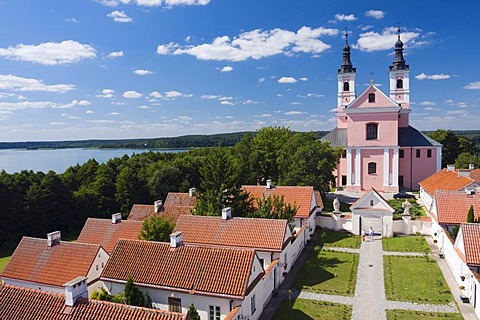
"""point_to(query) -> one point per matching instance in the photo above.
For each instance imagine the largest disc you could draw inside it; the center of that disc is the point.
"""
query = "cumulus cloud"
(142, 72)
(427, 103)
(119, 16)
(89, 112)
(155, 94)
(113, 3)
(373, 41)
(11, 82)
(287, 80)
(132, 94)
(115, 54)
(473, 86)
(226, 69)
(255, 44)
(210, 96)
(50, 53)
(303, 79)
(227, 103)
(71, 104)
(376, 14)
(345, 17)
(175, 94)
(423, 76)
(261, 80)
(143, 107)
(171, 3)
(293, 113)
(106, 93)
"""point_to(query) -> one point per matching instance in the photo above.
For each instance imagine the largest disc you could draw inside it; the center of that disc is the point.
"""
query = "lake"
(58, 160)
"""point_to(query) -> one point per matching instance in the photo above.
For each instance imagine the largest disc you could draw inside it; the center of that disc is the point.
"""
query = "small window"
(372, 131)
(400, 181)
(103, 265)
(401, 154)
(346, 86)
(174, 304)
(399, 84)
(262, 261)
(252, 304)
(371, 97)
(96, 267)
(372, 168)
(344, 180)
(429, 153)
(344, 153)
(371, 203)
(417, 153)
(213, 313)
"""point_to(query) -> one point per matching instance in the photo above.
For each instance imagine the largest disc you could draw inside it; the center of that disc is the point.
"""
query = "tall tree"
(450, 142)
(130, 189)
(156, 228)
(274, 207)
(135, 297)
(471, 215)
(192, 313)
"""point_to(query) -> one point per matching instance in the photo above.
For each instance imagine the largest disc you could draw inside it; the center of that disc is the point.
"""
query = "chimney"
(227, 213)
(450, 167)
(116, 218)
(471, 166)
(269, 184)
(157, 205)
(74, 289)
(463, 173)
(176, 239)
(191, 192)
(53, 238)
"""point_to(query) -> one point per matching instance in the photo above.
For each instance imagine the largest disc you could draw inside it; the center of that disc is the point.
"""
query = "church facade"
(381, 149)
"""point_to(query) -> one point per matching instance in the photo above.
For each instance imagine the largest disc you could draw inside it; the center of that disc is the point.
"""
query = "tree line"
(35, 203)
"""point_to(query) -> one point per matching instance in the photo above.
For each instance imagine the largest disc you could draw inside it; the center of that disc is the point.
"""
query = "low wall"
(334, 223)
(406, 226)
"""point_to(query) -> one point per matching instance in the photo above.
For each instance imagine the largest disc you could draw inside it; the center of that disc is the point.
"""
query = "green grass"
(328, 272)
(415, 279)
(418, 315)
(415, 210)
(406, 244)
(340, 239)
(310, 309)
(3, 262)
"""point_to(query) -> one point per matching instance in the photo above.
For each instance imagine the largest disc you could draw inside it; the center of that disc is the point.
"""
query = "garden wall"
(406, 226)
(334, 223)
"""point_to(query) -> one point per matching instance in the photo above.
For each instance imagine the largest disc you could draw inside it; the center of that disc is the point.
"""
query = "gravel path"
(422, 307)
(349, 250)
(395, 253)
(326, 297)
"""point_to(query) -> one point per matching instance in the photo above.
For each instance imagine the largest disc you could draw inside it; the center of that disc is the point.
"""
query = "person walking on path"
(370, 232)
(363, 234)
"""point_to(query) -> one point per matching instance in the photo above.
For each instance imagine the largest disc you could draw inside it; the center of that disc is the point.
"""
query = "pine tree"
(192, 313)
(471, 215)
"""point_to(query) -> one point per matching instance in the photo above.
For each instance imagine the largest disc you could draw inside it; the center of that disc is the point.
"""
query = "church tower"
(346, 84)
(400, 77)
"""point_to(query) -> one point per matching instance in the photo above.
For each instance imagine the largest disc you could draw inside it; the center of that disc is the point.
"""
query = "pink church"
(381, 149)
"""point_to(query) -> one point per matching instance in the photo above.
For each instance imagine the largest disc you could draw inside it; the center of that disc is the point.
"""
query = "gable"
(381, 100)
(372, 200)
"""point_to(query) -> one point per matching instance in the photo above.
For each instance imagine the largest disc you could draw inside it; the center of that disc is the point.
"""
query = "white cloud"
(155, 94)
(227, 103)
(73, 20)
(119, 16)
(113, 3)
(226, 69)
(101, 121)
(142, 72)
(50, 53)
(26, 104)
(114, 113)
(144, 107)
(293, 113)
(373, 41)
(314, 95)
(11, 82)
(261, 80)
(250, 102)
(427, 103)
(106, 93)
(115, 54)
(71, 104)
(132, 94)
(303, 79)
(345, 17)
(184, 118)
(264, 115)
(287, 80)
(171, 3)
(255, 44)
(423, 76)
(89, 112)
(175, 94)
(376, 14)
(473, 86)
(225, 98)
(210, 96)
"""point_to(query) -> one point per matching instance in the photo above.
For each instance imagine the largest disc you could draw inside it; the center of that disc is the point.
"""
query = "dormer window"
(346, 86)
(371, 98)
(372, 131)
(399, 84)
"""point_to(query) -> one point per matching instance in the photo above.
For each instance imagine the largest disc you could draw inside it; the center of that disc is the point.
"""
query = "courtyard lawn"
(415, 210)
(417, 315)
(340, 239)
(328, 272)
(406, 244)
(310, 309)
(415, 279)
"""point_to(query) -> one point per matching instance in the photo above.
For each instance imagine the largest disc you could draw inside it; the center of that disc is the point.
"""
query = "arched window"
(371, 97)
(372, 131)
(372, 167)
(399, 84)
(346, 86)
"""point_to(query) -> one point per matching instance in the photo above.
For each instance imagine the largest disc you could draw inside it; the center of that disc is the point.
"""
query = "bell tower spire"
(346, 75)
(400, 76)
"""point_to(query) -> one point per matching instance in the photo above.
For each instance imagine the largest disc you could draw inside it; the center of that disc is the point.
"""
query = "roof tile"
(471, 242)
(452, 206)
(141, 212)
(445, 180)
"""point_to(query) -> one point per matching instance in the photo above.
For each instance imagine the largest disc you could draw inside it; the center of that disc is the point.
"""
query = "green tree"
(164, 179)
(464, 159)
(274, 207)
(135, 297)
(192, 312)
(450, 142)
(156, 228)
(103, 295)
(471, 215)
(130, 189)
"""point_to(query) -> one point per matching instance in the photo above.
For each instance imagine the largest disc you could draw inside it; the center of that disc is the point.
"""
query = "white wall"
(426, 198)
(96, 270)
(334, 223)
(34, 285)
(404, 226)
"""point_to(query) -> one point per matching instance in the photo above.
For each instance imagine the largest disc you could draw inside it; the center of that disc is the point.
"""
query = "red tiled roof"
(141, 211)
(452, 206)
(177, 199)
(176, 212)
(318, 199)
(302, 196)
(17, 303)
(34, 261)
(207, 270)
(106, 233)
(471, 242)
(264, 234)
(445, 180)
(475, 175)
(231, 315)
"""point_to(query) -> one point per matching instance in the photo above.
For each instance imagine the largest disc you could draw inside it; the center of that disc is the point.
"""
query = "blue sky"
(85, 69)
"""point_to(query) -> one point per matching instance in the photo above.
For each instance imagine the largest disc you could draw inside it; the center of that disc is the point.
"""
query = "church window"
(371, 98)
(346, 86)
(429, 153)
(402, 154)
(372, 167)
(417, 153)
(399, 84)
(372, 131)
